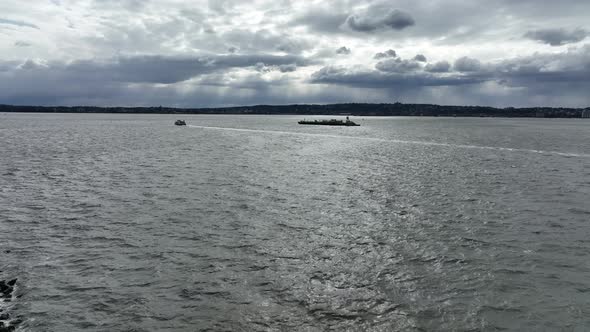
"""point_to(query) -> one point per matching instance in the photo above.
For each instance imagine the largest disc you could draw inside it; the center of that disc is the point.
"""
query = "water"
(254, 223)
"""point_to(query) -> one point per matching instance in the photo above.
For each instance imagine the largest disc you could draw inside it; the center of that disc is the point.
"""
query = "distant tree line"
(358, 109)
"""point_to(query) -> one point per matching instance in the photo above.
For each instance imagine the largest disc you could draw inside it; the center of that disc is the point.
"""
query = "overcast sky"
(233, 52)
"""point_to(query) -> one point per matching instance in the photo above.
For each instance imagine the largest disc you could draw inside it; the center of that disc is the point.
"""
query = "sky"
(182, 53)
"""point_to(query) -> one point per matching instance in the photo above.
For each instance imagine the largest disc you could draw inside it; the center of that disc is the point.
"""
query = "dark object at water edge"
(6, 293)
(180, 123)
(331, 122)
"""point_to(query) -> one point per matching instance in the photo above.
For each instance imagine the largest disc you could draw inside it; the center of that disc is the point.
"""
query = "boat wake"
(451, 145)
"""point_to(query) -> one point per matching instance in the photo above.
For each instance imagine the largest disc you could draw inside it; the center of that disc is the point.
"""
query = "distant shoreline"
(352, 109)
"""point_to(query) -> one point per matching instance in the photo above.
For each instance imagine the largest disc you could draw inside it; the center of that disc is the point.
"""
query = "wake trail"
(425, 143)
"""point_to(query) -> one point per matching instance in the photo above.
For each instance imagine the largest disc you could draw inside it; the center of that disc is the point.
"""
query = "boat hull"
(329, 123)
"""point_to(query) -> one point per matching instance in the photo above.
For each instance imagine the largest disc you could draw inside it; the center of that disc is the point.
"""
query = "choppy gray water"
(128, 223)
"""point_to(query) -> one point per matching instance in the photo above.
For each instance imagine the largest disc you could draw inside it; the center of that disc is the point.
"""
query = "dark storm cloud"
(146, 80)
(155, 69)
(466, 64)
(343, 50)
(397, 65)
(51, 85)
(387, 54)
(143, 69)
(545, 76)
(18, 23)
(287, 68)
(379, 79)
(548, 77)
(431, 18)
(375, 19)
(537, 71)
(130, 80)
(571, 67)
(557, 37)
(168, 70)
(439, 67)
(420, 58)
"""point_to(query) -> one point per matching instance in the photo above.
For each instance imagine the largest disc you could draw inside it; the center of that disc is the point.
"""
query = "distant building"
(586, 113)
